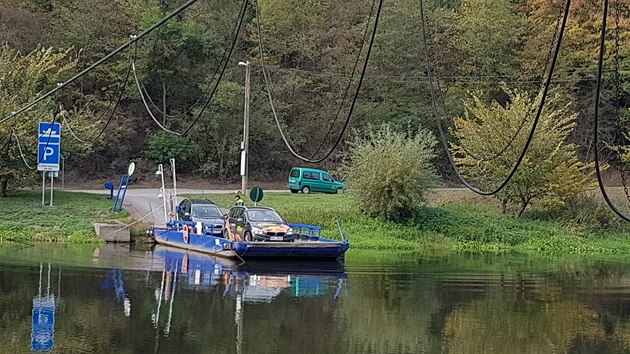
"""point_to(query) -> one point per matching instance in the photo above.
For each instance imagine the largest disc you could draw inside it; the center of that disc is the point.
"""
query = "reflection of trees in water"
(536, 318)
(389, 314)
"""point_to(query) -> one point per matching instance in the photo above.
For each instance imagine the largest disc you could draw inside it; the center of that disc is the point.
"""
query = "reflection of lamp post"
(245, 143)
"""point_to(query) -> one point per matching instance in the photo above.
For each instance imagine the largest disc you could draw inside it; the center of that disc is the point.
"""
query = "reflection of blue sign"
(43, 335)
(49, 148)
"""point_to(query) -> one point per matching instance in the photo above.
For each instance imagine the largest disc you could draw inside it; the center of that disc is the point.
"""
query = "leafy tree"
(164, 146)
(550, 170)
(22, 78)
(389, 171)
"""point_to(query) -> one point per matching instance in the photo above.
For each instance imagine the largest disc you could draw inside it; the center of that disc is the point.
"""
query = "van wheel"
(340, 191)
(294, 191)
(306, 190)
(248, 236)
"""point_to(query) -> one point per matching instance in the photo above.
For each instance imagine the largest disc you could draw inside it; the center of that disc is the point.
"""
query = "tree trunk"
(504, 205)
(4, 183)
(524, 204)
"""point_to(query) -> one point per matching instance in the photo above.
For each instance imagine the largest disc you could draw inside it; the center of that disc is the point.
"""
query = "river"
(125, 299)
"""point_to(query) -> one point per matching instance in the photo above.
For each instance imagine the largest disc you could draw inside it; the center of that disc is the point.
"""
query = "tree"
(22, 78)
(389, 171)
(550, 170)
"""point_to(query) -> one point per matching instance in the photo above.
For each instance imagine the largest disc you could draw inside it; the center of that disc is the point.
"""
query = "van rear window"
(295, 173)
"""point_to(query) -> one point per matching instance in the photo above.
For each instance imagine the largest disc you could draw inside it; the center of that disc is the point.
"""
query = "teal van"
(311, 180)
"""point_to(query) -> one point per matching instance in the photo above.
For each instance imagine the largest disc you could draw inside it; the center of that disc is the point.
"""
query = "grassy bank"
(23, 218)
(448, 224)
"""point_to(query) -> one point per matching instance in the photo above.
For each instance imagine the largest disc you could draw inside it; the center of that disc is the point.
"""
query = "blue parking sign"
(49, 146)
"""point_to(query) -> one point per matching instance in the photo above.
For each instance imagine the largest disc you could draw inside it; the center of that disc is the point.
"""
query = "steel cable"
(191, 108)
(350, 81)
(21, 152)
(100, 61)
(530, 108)
(534, 124)
(600, 64)
(214, 89)
(354, 99)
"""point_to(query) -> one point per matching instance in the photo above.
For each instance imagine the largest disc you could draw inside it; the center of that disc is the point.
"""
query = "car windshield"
(206, 211)
(263, 215)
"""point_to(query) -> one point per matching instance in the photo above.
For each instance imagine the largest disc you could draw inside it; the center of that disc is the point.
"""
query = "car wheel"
(306, 190)
(340, 191)
(294, 191)
(248, 236)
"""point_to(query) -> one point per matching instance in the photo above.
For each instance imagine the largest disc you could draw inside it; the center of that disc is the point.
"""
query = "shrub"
(389, 171)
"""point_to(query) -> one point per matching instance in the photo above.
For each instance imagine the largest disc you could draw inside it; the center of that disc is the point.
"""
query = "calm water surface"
(120, 300)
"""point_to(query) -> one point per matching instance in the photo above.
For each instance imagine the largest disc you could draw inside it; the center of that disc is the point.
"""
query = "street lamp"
(245, 142)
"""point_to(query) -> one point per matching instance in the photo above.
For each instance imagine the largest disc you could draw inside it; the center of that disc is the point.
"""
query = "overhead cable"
(65, 121)
(534, 124)
(216, 72)
(21, 152)
(144, 101)
(598, 169)
(530, 106)
(100, 61)
(216, 84)
(346, 92)
(354, 99)
(225, 64)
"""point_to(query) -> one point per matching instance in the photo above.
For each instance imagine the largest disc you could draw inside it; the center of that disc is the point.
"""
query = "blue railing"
(310, 231)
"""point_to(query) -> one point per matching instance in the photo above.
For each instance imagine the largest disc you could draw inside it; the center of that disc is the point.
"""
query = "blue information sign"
(43, 335)
(49, 147)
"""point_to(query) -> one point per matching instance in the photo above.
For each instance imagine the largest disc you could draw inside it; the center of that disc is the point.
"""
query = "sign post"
(48, 153)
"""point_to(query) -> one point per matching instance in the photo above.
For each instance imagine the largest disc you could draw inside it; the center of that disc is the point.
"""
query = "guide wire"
(21, 152)
(530, 108)
(216, 71)
(99, 62)
(534, 124)
(350, 81)
(214, 89)
(225, 64)
(598, 169)
(354, 100)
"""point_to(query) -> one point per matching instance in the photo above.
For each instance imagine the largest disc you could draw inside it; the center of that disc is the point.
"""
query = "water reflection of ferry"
(248, 283)
(257, 281)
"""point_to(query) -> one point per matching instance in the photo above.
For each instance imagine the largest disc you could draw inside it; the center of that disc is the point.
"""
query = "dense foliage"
(491, 138)
(391, 172)
(311, 48)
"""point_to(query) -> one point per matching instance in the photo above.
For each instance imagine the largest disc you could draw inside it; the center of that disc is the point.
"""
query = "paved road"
(141, 202)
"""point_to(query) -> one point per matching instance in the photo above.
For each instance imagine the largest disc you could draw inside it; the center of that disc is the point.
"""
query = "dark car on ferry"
(204, 211)
(258, 224)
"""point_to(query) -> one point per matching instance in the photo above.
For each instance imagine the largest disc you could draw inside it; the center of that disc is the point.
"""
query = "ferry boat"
(252, 233)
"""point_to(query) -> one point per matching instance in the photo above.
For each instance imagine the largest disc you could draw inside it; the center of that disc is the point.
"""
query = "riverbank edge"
(445, 226)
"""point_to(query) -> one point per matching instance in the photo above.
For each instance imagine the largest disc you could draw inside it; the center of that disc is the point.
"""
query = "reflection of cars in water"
(201, 210)
(258, 224)
(258, 282)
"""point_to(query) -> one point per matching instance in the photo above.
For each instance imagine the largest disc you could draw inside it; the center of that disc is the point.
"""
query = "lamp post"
(245, 142)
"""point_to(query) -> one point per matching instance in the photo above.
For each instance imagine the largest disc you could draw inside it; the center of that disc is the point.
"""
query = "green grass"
(446, 225)
(23, 218)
